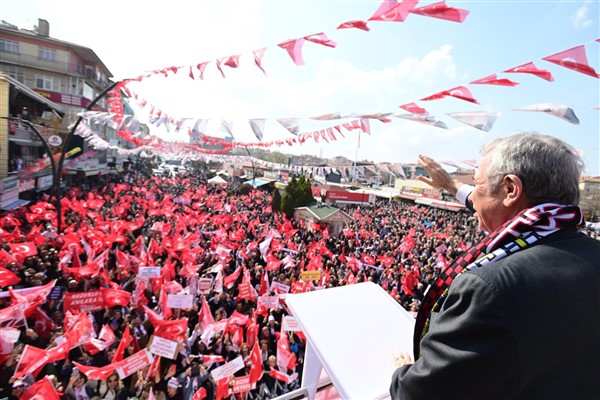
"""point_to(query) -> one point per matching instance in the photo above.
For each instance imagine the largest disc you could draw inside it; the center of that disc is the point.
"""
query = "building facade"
(47, 82)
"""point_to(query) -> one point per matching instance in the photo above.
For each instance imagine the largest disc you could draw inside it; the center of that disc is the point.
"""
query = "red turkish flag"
(23, 250)
(116, 297)
(285, 358)
(393, 10)
(294, 49)
(32, 359)
(205, 316)
(175, 329)
(493, 80)
(409, 281)
(256, 370)
(41, 390)
(200, 394)
(80, 331)
(530, 68)
(258, 55)
(13, 315)
(8, 278)
(367, 259)
(413, 108)
(321, 38)
(386, 260)
(239, 318)
(575, 59)
(354, 24)
(460, 92)
(264, 283)
(280, 376)
(43, 324)
(123, 343)
(442, 11)
(96, 373)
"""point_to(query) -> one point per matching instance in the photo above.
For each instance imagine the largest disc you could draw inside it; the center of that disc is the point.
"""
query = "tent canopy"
(217, 180)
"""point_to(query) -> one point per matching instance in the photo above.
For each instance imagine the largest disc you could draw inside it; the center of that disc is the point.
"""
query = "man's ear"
(512, 186)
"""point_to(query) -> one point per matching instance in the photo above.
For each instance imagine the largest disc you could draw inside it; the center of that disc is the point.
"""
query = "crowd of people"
(225, 249)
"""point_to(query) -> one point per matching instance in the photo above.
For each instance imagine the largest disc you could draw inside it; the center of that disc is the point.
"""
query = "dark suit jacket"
(526, 327)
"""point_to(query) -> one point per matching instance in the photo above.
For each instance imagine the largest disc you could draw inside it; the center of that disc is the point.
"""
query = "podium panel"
(352, 331)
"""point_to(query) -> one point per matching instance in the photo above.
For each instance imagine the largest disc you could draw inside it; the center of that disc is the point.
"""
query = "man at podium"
(517, 316)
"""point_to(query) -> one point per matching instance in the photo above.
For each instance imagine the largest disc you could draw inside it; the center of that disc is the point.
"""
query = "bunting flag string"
(388, 11)
(574, 58)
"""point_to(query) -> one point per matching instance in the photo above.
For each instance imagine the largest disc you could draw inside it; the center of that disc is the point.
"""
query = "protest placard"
(279, 288)
(268, 302)
(310, 275)
(180, 300)
(204, 285)
(163, 347)
(242, 384)
(91, 300)
(134, 363)
(289, 323)
(228, 369)
(149, 272)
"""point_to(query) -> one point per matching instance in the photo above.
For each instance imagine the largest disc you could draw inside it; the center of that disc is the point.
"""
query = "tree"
(276, 201)
(288, 199)
(298, 193)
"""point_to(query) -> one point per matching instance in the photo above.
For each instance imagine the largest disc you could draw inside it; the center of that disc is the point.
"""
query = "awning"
(32, 94)
(25, 142)
(15, 205)
(257, 182)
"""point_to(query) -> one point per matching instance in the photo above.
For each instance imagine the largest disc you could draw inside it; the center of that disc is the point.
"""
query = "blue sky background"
(393, 64)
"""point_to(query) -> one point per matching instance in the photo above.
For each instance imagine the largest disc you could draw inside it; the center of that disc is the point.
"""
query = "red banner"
(134, 363)
(83, 301)
(242, 384)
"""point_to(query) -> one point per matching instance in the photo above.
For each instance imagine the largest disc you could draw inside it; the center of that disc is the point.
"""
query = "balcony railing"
(30, 61)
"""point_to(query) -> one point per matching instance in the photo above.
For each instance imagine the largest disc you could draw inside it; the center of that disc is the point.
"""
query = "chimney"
(43, 28)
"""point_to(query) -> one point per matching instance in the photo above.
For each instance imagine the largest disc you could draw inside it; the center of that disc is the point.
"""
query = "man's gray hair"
(548, 167)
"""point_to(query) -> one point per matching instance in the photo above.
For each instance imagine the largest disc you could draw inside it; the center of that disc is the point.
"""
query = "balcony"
(29, 61)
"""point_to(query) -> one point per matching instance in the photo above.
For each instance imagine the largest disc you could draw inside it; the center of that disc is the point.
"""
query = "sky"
(367, 72)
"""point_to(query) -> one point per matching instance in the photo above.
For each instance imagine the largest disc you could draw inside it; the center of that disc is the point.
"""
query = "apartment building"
(47, 82)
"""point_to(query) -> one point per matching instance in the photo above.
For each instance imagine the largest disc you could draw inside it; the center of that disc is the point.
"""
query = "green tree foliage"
(276, 201)
(297, 193)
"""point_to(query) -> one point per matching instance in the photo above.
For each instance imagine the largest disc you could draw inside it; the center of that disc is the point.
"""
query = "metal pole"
(355, 158)
(58, 172)
(39, 135)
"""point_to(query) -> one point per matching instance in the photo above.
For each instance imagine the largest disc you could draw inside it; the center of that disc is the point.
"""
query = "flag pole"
(356, 157)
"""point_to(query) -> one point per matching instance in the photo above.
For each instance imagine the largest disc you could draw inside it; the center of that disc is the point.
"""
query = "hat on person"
(271, 318)
(18, 383)
(173, 383)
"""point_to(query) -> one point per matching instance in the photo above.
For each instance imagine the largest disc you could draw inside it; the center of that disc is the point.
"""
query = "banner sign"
(228, 369)
(163, 347)
(83, 301)
(180, 300)
(56, 293)
(289, 323)
(134, 363)
(242, 384)
(149, 272)
(279, 288)
(204, 285)
(310, 275)
(268, 302)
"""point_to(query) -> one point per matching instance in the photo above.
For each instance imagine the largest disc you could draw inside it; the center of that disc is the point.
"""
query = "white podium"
(352, 331)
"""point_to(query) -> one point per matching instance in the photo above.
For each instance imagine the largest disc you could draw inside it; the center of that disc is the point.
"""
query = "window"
(76, 86)
(47, 82)
(47, 54)
(14, 72)
(9, 46)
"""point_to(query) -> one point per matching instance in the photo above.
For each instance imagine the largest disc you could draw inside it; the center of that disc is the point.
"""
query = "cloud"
(581, 19)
